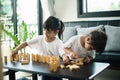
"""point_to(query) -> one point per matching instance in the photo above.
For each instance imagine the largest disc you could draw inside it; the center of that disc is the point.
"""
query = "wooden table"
(86, 72)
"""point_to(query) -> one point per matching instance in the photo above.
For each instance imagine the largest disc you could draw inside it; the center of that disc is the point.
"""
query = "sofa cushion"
(69, 32)
(113, 41)
(87, 30)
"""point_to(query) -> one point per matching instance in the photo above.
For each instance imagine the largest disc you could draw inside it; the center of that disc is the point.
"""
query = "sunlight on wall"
(66, 9)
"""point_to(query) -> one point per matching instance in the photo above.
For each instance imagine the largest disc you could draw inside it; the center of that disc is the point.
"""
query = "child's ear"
(88, 38)
(57, 31)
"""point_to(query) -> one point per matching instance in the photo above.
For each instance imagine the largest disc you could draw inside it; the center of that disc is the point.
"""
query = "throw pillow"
(69, 32)
(87, 30)
(113, 41)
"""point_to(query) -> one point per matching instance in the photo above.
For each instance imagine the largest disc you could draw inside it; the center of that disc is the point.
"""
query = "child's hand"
(73, 55)
(14, 52)
(65, 59)
(87, 59)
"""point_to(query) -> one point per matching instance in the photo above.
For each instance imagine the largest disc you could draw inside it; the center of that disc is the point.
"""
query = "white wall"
(66, 10)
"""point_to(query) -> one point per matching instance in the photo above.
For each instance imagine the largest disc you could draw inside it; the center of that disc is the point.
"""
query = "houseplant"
(18, 40)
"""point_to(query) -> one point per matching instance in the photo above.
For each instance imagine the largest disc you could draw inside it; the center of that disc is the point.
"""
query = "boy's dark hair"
(53, 23)
(98, 40)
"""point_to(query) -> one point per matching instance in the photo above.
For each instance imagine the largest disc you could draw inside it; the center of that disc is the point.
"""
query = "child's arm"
(65, 58)
(69, 51)
(15, 51)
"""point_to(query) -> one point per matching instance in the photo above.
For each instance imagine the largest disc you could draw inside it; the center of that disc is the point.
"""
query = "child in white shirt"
(85, 46)
(48, 44)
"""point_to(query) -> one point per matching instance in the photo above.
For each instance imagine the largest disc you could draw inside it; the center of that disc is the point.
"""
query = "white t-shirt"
(46, 48)
(74, 44)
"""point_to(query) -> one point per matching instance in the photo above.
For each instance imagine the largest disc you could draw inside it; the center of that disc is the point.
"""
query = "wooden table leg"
(34, 76)
(12, 75)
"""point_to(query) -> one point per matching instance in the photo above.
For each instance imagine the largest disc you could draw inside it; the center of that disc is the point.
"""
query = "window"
(13, 12)
(27, 13)
(98, 8)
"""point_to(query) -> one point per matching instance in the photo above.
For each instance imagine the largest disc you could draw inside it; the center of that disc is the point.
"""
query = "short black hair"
(98, 40)
(53, 23)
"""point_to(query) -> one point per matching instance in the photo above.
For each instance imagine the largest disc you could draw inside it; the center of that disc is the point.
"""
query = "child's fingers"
(14, 53)
(65, 60)
(74, 56)
(87, 59)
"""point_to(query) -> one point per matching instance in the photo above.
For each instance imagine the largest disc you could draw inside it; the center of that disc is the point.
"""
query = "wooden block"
(62, 66)
(11, 58)
(24, 62)
(17, 57)
(71, 67)
(5, 59)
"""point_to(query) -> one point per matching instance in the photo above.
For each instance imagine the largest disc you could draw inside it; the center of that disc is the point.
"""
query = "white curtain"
(51, 7)
(48, 8)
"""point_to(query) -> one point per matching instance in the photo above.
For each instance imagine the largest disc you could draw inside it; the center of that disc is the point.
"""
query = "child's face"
(51, 34)
(87, 45)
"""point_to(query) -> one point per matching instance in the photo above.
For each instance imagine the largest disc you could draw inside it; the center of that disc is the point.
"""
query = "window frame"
(40, 18)
(80, 13)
